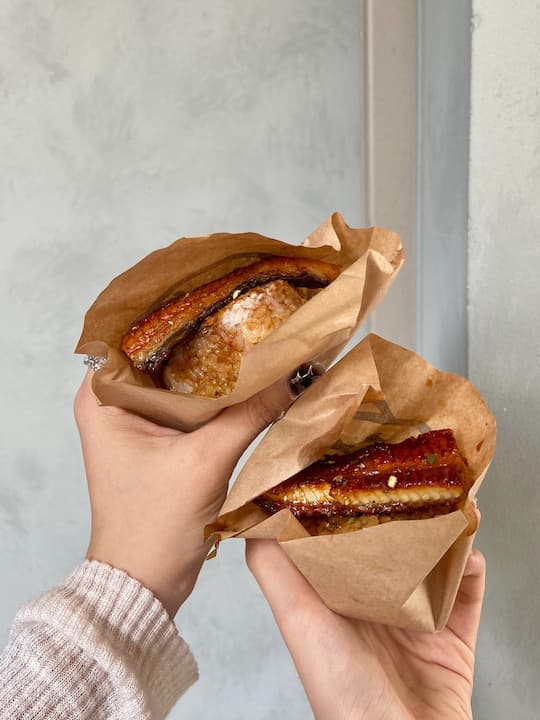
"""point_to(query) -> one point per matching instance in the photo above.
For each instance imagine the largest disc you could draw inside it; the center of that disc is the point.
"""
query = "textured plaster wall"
(504, 321)
(124, 125)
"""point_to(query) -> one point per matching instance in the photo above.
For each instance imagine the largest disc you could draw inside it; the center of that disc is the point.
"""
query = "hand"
(153, 489)
(356, 669)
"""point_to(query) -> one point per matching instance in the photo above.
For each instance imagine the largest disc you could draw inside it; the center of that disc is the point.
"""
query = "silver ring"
(94, 362)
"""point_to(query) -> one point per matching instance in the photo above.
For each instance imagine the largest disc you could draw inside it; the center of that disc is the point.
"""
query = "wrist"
(170, 584)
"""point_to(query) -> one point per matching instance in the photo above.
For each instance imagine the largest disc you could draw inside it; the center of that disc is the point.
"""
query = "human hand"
(154, 489)
(357, 669)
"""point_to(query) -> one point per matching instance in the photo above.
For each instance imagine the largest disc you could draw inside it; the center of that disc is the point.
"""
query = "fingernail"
(304, 376)
(94, 362)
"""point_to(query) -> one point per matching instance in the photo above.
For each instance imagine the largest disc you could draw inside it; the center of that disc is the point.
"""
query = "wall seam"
(368, 128)
(418, 227)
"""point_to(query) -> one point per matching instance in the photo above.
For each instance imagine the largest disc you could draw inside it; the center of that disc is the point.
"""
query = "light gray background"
(504, 342)
(442, 169)
(123, 126)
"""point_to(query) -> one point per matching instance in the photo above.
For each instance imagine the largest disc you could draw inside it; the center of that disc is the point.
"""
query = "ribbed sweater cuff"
(124, 628)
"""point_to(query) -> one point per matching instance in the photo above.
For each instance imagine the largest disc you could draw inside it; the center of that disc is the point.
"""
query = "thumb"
(465, 617)
(283, 585)
(237, 426)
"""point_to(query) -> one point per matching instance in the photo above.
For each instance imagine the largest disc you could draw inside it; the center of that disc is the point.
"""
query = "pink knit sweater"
(98, 647)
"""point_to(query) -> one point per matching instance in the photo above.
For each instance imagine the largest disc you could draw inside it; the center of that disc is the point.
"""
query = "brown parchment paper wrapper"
(369, 260)
(403, 573)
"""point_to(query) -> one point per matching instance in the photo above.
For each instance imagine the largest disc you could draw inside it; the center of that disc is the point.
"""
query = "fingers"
(237, 426)
(465, 617)
(94, 419)
(468, 605)
(471, 591)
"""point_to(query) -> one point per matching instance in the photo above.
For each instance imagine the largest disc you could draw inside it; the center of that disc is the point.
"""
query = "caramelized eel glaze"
(149, 342)
(416, 476)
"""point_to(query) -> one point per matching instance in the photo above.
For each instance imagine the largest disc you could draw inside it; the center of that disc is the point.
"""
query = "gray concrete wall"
(442, 169)
(123, 126)
(504, 322)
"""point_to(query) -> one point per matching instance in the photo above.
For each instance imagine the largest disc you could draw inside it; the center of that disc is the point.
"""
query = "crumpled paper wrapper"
(369, 260)
(404, 573)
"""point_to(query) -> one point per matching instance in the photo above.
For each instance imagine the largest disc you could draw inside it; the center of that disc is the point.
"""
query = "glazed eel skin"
(150, 341)
(417, 476)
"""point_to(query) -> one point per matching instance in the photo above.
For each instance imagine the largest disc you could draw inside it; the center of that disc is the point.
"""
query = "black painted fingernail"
(304, 376)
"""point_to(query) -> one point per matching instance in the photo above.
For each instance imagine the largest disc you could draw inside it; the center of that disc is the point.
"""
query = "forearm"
(99, 646)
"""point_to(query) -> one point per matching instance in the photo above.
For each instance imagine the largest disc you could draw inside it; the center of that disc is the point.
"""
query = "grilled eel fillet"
(417, 476)
(150, 341)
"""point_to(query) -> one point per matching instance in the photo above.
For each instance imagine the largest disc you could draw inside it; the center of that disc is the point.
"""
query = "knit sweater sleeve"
(101, 646)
